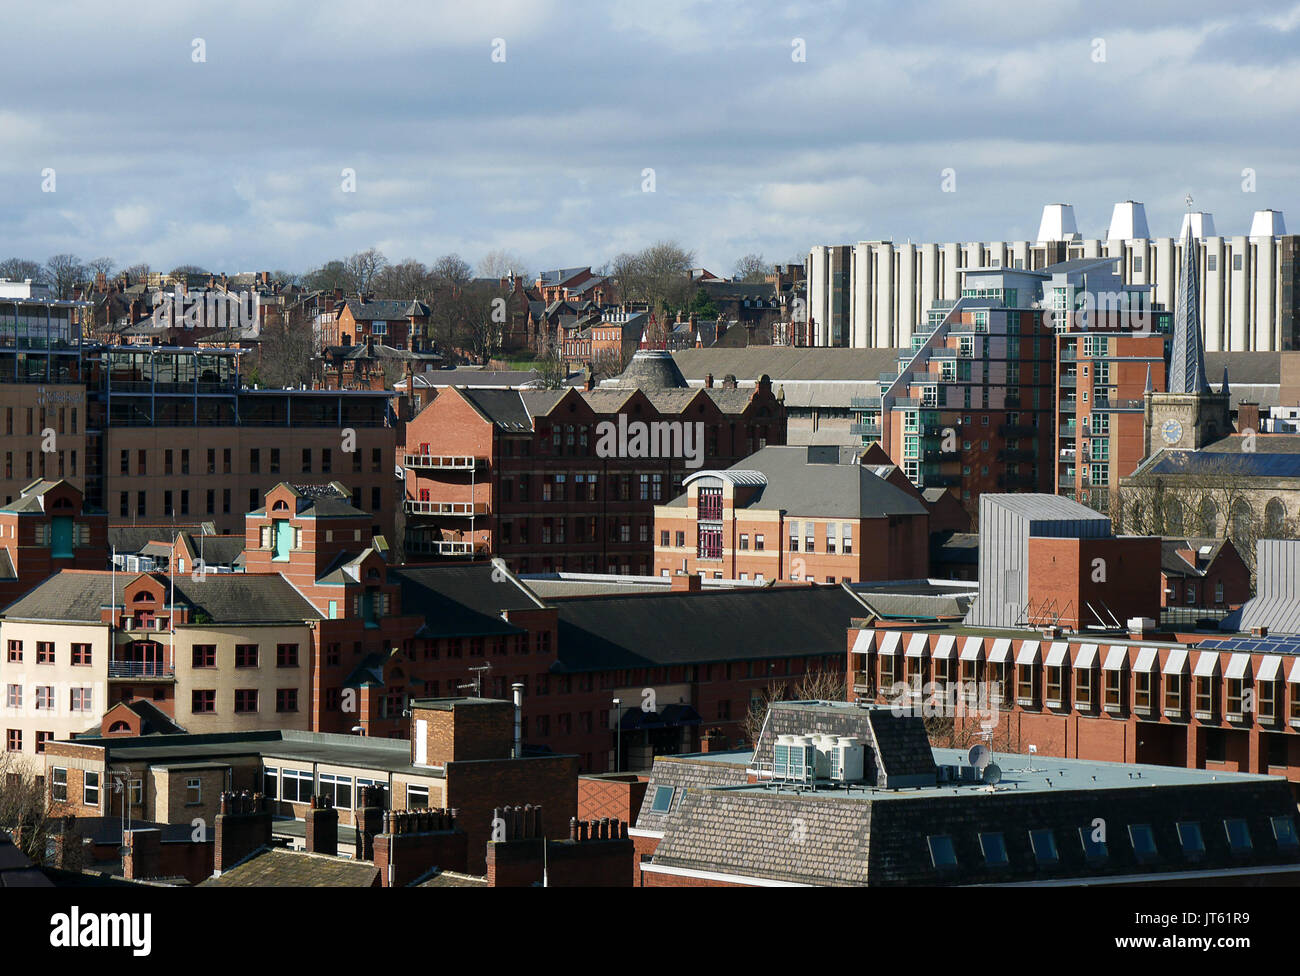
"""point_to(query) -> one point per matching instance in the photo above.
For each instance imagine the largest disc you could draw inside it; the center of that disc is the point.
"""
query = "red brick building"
(45, 529)
(1207, 573)
(803, 514)
(521, 474)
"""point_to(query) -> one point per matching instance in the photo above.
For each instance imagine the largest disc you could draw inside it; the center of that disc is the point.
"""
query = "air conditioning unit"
(794, 758)
(848, 760)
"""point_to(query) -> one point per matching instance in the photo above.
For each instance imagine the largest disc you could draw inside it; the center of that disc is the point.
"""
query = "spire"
(1187, 364)
(1149, 388)
(1224, 391)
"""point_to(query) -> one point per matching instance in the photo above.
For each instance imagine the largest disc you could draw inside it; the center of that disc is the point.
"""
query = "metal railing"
(444, 508)
(140, 669)
(451, 462)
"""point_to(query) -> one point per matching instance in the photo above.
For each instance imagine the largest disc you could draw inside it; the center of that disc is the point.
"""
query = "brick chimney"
(598, 853)
(713, 741)
(687, 583)
(243, 825)
(144, 853)
(414, 842)
(369, 820)
(322, 827)
(708, 381)
(1247, 416)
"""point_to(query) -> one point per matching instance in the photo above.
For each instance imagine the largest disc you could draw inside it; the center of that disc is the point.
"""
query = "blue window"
(942, 853)
(61, 536)
(995, 849)
(1094, 850)
(283, 540)
(1143, 840)
(1284, 833)
(1238, 835)
(1189, 835)
(663, 799)
(1044, 844)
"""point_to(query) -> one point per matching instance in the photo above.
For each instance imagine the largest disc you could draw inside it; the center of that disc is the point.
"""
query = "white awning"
(1238, 664)
(972, 649)
(1028, 653)
(1207, 664)
(1270, 667)
(862, 643)
(943, 650)
(1176, 662)
(1087, 656)
(1001, 651)
(1057, 654)
(1116, 658)
(1146, 661)
(890, 644)
(1294, 676)
(916, 646)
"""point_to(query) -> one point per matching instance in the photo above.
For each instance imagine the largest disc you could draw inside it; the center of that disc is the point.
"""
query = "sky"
(222, 134)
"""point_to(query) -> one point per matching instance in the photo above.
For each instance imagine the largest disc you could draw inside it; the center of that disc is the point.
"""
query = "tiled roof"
(372, 310)
(17, 869)
(276, 868)
(682, 773)
(461, 599)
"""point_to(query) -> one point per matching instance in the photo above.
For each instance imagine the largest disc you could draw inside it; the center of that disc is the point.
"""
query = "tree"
(451, 269)
(20, 269)
(608, 363)
(407, 280)
(25, 809)
(500, 263)
(137, 272)
(552, 371)
(63, 272)
(330, 276)
(364, 266)
(750, 268)
(186, 269)
(102, 266)
(702, 306)
(285, 353)
(659, 276)
(756, 716)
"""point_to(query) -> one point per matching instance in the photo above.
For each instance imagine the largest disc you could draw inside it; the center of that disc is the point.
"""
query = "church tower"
(1189, 415)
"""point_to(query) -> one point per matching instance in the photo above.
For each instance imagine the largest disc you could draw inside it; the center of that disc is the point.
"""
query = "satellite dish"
(979, 756)
(993, 774)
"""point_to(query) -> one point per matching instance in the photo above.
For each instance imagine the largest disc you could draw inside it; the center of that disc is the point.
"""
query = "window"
(15, 652)
(758, 543)
(1143, 840)
(59, 784)
(45, 653)
(1284, 833)
(14, 696)
(663, 799)
(1238, 835)
(14, 740)
(848, 538)
(744, 542)
(203, 656)
(296, 786)
(41, 739)
(286, 699)
(338, 789)
(286, 655)
(203, 702)
(942, 854)
(1094, 850)
(271, 782)
(45, 697)
(90, 789)
(245, 700)
(245, 655)
(1043, 843)
(416, 796)
(80, 699)
(994, 848)
(193, 791)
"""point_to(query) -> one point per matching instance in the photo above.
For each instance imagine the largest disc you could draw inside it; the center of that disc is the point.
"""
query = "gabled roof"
(153, 720)
(1172, 562)
(383, 310)
(505, 408)
(462, 599)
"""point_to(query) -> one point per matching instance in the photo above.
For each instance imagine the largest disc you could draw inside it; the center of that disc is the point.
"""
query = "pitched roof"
(788, 363)
(802, 487)
(505, 408)
(462, 599)
(383, 310)
(278, 868)
(17, 869)
(655, 629)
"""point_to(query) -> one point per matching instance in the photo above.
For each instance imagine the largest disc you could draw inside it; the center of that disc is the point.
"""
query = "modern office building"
(877, 293)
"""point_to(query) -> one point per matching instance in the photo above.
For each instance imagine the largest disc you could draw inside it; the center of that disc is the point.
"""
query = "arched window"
(1243, 519)
(1173, 512)
(1275, 518)
(1208, 518)
(144, 596)
(119, 727)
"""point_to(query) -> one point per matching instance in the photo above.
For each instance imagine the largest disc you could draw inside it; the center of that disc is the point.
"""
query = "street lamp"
(618, 732)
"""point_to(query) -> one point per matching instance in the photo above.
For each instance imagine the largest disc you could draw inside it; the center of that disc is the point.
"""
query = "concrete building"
(876, 293)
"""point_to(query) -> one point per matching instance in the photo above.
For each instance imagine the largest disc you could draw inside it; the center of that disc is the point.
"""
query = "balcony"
(1068, 433)
(864, 403)
(864, 430)
(1069, 356)
(443, 462)
(444, 508)
(440, 547)
(936, 480)
(140, 669)
(1111, 405)
(1065, 480)
(1068, 405)
(1014, 481)
(1015, 454)
(1069, 380)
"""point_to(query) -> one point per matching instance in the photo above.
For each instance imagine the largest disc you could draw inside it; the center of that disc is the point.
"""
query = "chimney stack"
(243, 825)
(322, 827)
(519, 708)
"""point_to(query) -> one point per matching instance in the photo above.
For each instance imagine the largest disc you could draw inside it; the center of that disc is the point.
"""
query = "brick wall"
(616, 796)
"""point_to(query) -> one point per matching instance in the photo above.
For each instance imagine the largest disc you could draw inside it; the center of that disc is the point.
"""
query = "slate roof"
(505, 408)
(322, 501)
(461, 599)
(788, 363)
(278, 868)
(451, 879)
(383, 310)
(153, 720)
(218, 550)
(1172, 562)
(227, 598)
(656, 629)
(133, 538)
(17, 869)
(1270, 464)
(683, 773)
(650, 369)
(813, 489)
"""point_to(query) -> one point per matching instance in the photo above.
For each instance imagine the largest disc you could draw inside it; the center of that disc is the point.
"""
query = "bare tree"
(187, 269)
(752, 724)
(750, 268)
(364, 266)
(25, 808)
(102, 266)
(451, 269)
(20, 269)
(608, 363)
(64, 272)
(137, 272)
(285, 353)
(659, 276)
(406, 280)
(500, 263)
(822, 685)
(552, 371)
(332, 275)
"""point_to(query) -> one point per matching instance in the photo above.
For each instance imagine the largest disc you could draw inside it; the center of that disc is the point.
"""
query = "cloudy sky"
(236, 162)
